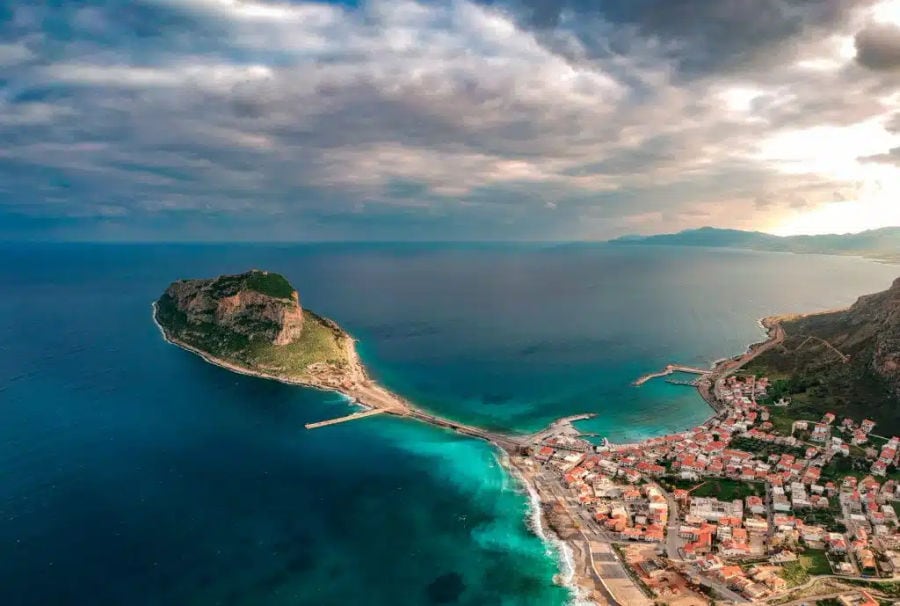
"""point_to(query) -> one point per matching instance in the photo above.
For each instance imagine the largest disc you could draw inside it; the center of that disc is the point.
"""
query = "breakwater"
(671, 369)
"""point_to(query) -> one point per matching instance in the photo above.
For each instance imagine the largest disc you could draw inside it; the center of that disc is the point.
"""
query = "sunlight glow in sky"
(835, 152)
(471, 119)
(842, 152)
(843, 217)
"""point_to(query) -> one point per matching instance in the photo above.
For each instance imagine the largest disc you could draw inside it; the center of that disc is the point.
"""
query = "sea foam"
(555, 546)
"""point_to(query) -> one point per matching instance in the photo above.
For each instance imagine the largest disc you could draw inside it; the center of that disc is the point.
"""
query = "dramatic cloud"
(264, 119)
(697, 36)
(878, 47)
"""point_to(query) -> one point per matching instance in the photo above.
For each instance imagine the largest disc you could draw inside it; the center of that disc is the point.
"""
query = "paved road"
(724, 591)
(673, 541)
(506, 441)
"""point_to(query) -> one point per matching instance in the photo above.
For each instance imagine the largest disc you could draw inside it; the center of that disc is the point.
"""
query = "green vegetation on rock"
(320, 342)
(268, 283)
(264, 282)
(253, 321)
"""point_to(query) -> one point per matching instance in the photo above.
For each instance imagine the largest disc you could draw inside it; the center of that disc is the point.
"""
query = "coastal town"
(752, 506)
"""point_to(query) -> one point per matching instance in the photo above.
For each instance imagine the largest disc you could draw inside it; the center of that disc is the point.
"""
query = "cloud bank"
(394, 119)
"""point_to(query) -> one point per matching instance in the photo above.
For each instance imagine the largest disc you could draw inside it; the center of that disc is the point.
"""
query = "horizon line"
(438, 241)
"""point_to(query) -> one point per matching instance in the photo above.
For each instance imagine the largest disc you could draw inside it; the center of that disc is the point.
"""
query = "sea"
(133, 473)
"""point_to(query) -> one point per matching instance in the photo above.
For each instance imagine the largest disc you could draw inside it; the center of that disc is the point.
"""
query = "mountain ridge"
(882, 244)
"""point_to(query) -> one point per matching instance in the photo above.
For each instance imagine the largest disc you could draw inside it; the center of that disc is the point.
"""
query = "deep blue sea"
(133, 473)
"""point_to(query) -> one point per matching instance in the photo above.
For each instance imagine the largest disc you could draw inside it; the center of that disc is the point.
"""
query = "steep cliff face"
(247, 307)
(876, 318)
(255, 306)
(868, 333)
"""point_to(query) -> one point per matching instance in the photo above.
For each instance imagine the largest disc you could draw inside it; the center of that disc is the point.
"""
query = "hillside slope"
(847, 362)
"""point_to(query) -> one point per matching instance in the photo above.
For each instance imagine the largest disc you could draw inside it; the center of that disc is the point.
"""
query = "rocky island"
(253, 323)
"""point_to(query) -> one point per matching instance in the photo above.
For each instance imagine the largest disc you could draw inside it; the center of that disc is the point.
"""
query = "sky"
(456, 120)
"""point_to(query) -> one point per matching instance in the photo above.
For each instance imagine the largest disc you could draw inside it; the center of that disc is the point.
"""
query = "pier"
(686, 383)
(344, 419)
(380, 400)
(670, 369)
(502, 440)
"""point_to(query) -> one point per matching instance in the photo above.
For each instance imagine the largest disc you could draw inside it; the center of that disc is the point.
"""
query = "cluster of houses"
(709, 521)
(738, 391)
(796, 506)
(755, 582)
(635, 514)
(871, 521)
(859, 434)
(887, 457)
(628, 511)
(822, 430)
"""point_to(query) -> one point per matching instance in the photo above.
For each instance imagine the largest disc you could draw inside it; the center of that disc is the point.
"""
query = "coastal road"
(673, 541)
(735, 364)
(369, 393)
(510, 443)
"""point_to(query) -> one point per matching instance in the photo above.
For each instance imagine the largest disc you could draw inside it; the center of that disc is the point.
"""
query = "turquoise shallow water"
(133, 473)
(513, 337)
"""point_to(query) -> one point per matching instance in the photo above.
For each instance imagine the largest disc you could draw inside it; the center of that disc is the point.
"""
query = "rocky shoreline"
(241, 370)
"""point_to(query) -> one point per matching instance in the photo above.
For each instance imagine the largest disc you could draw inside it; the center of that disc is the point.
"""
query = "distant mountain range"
(882, 244)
